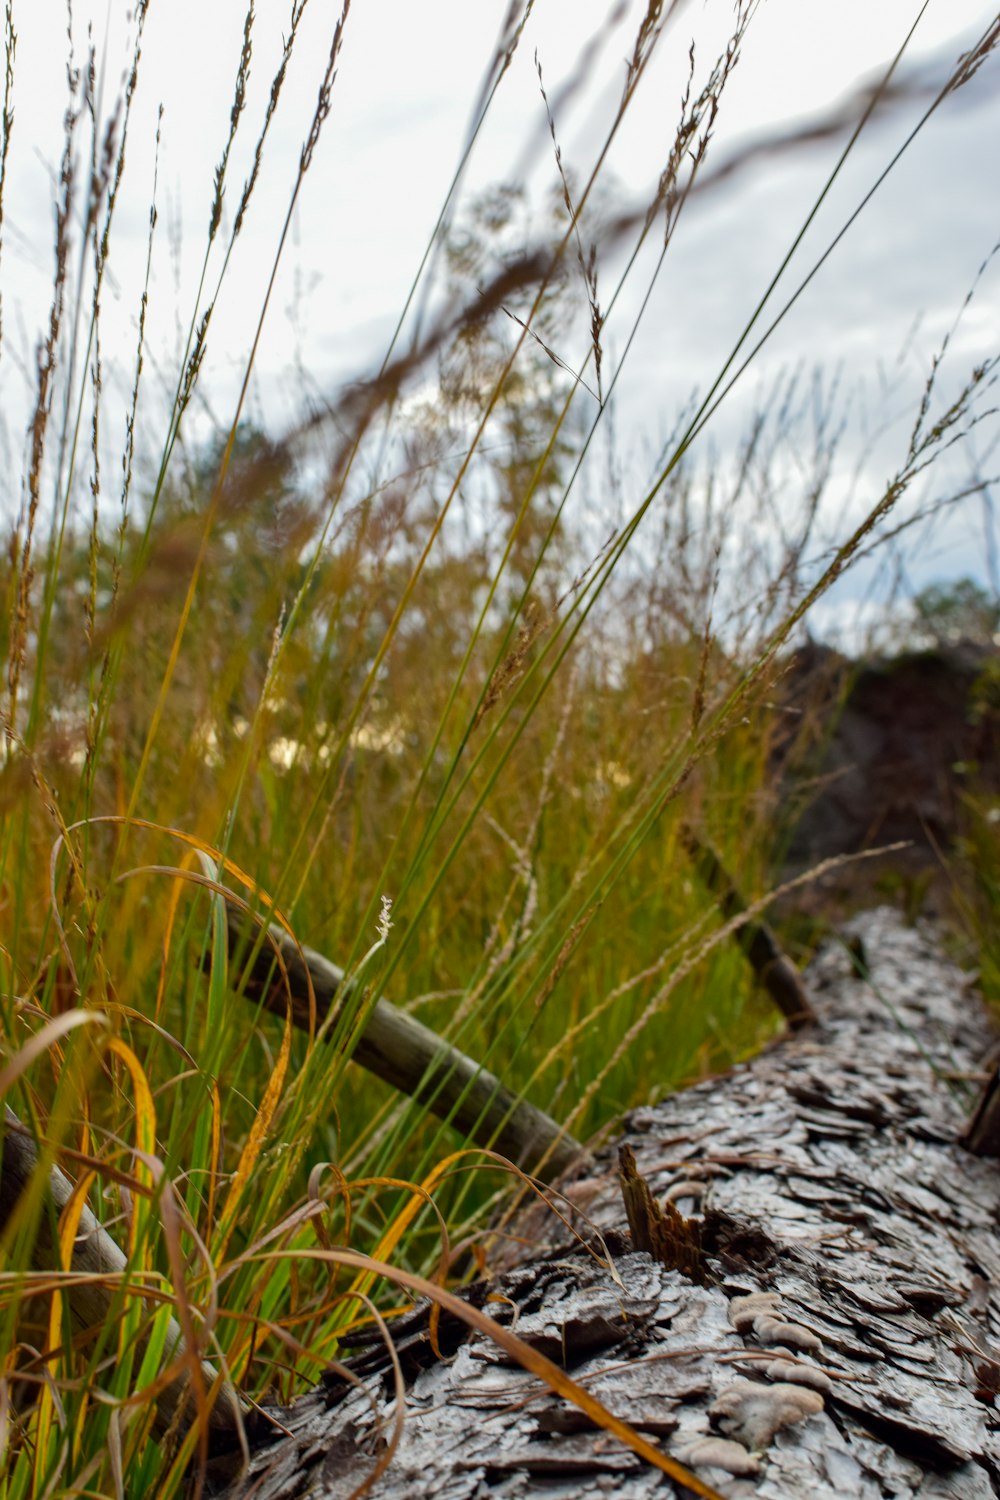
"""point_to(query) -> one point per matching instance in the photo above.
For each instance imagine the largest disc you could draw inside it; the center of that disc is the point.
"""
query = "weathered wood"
(408, 1055)
(659, 1229)
(847, 1346)
(982, 1137)
(98, 1266)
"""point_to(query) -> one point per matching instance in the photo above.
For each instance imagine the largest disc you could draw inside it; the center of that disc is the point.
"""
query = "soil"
(882, 752)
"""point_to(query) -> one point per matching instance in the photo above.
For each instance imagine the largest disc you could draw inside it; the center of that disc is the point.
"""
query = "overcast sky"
(408, 78)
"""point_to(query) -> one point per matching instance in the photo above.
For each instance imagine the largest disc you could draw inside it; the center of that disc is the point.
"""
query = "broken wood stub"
(660, 1229)
(982, 1136)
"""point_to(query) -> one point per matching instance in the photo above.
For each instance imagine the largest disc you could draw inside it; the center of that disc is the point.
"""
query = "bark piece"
(660, 1230)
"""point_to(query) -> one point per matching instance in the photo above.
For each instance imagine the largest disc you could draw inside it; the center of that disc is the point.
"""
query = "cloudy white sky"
(408, 78)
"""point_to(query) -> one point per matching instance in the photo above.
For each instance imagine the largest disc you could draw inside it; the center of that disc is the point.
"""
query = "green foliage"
(958, 611)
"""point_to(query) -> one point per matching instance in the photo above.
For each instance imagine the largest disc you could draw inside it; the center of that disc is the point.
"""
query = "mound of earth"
(885, 751)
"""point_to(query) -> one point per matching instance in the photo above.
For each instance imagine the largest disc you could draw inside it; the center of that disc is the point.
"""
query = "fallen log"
(839, 1340)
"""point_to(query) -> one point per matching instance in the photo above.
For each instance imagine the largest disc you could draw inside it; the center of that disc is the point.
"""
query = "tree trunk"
(835, 1335)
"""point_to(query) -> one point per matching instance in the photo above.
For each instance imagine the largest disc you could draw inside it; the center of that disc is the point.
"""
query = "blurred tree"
(958, 611)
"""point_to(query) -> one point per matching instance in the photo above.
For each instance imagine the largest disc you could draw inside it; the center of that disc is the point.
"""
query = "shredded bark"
(657, 1228)
(848, 1348)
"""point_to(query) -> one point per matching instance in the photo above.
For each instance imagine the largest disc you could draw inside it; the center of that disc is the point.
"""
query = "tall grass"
(391, 678)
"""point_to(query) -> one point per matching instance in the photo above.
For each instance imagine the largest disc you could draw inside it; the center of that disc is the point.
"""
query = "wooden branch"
(101, 1265)
(764, 953)
(982, 1136)
(412, 1058)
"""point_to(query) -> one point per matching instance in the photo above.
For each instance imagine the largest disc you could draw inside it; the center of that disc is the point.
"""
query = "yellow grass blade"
(255, 1140)
(69, 1223)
